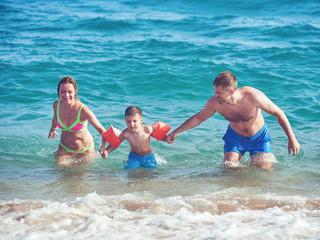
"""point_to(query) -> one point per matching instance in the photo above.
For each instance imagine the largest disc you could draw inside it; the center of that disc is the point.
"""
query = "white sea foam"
(160, 160)
(223, 215)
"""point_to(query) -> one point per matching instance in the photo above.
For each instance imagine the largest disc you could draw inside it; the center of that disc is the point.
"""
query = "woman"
(72, 116)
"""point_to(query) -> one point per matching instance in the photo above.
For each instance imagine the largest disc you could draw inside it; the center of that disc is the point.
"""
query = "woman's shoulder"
(55, 103)
(80, 104)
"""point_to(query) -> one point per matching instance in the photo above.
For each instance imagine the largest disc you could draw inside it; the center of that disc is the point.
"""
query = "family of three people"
(247, 131)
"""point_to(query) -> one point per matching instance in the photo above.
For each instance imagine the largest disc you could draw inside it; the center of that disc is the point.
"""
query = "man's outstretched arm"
(207, 112)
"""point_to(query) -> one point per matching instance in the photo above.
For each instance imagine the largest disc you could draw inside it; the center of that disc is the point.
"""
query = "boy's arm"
(152, 130)
(105, 151)
(110, 149)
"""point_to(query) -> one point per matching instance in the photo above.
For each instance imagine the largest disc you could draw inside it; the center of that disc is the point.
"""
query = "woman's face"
(67, 92)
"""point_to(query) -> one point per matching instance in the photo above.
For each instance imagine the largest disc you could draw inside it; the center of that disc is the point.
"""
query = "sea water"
(163, 57)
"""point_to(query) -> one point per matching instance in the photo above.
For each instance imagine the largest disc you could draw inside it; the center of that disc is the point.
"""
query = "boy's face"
(133, 122)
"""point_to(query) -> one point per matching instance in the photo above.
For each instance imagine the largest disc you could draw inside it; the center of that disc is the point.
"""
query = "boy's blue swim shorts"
(136, 161)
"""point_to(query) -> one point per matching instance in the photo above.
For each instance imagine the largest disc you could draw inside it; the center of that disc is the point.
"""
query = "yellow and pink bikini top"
(77, 126)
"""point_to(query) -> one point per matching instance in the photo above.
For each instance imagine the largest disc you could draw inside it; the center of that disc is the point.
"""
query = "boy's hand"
(104, 154)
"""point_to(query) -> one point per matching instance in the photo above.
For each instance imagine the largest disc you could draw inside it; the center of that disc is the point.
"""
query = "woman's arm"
(89, 115)
(52, 132)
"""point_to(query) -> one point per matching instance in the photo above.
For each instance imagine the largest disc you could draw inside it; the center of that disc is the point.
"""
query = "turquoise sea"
(163, 57)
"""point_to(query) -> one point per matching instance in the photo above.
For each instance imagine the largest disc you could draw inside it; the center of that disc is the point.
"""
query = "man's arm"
(269, 107)
(207, 112)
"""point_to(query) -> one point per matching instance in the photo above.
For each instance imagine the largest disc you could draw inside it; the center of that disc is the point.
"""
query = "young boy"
(138, 136)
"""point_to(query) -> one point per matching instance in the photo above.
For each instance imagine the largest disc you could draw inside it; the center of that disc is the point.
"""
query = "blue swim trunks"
(260, 142)
(136, 161)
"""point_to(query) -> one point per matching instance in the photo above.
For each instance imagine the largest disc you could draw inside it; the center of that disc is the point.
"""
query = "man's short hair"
(227, 80)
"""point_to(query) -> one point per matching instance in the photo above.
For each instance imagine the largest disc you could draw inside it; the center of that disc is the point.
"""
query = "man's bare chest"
(236, 114)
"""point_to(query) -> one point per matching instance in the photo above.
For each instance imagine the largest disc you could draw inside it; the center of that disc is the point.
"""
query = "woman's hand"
(52, 133)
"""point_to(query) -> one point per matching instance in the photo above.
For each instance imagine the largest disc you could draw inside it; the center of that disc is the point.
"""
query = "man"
(247, 130)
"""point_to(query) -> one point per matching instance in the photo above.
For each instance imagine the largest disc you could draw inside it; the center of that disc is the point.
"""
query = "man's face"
(221, 94)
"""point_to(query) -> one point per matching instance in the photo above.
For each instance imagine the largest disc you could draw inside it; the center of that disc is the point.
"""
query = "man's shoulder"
(251, 95)
(247, 91)
(212, 100)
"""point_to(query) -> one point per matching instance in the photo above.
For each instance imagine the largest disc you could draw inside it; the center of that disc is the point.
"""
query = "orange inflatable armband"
(160, 130)
(112, 136)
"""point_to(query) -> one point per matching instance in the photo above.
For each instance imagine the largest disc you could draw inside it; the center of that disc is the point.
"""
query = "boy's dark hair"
(133, 110)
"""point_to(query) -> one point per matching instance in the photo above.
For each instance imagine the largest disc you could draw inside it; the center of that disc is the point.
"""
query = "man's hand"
(171, 137)
(294, 145)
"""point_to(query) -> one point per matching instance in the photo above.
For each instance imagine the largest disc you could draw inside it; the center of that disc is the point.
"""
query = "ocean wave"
(218, 215)
(105, 24)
